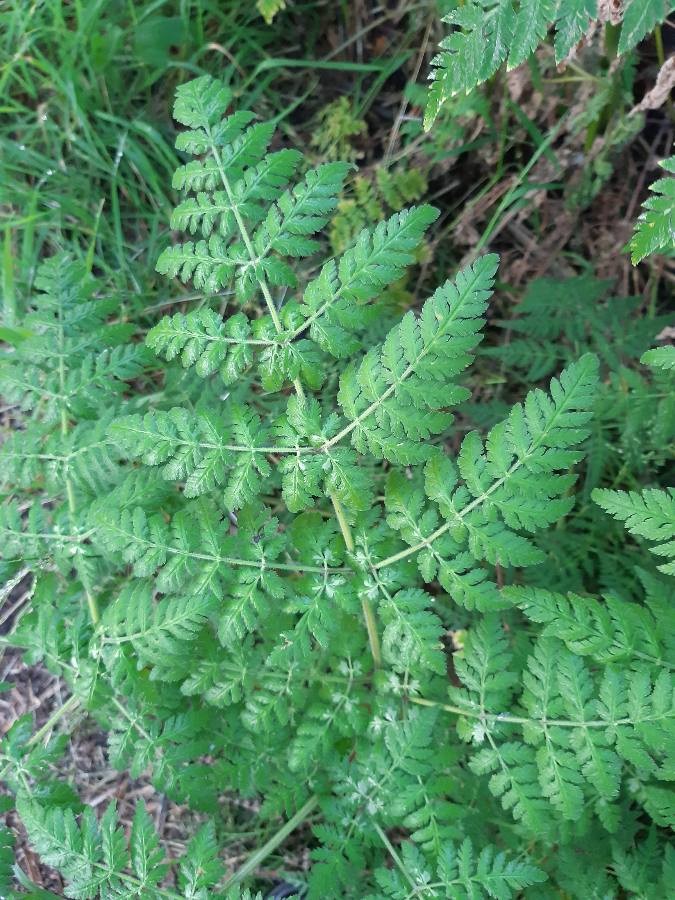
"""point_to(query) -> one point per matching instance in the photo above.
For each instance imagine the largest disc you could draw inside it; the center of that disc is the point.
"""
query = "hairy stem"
(394, 855)
(371, 626)
(525, 720)
(343, 523)
(368, 614)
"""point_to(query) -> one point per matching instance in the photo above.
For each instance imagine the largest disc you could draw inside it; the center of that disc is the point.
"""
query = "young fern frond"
(247, 248)
(204, 341)
(213, 264)
(332, 306)
(244, 250)
(202, 450)
(412, 634)
(158, 631)
(72, 364)
(84, 455)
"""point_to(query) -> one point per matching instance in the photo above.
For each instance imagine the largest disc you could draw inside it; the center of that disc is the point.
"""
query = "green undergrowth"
(347, 540)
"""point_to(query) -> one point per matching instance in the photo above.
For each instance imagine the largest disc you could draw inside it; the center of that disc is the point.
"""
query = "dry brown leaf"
(610, 11)
(665, 83)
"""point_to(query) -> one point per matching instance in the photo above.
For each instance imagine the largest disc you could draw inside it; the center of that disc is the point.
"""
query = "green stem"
(241, 225)
(232, 560)
(270, 846)
(92, 606)
(611, 40)
(658, 41)
(524, 720)
(371, 627)
(368, 614)
(71, 703)
(343, 523)
(394, 855)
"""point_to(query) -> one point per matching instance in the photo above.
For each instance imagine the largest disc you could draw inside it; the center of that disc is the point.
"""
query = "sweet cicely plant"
(305, 600)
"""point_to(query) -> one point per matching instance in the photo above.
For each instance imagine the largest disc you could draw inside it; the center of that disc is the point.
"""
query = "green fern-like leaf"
(574, 20)
(73, 364)
(581, 733)
(510, 483)
(392, 399)
(92, 857)
(655, 229)
(486, 33)
(490, 872)
(157, 630)
(201, 339)
(649, 514)
(660, 358)
(6, 860)
(608, 630)
(254, 588)
(251, 228)
(460, 873)
(195, 449)
(332, 307)
(213, 263)
(640, 18)
(200, 867)
(412, 632)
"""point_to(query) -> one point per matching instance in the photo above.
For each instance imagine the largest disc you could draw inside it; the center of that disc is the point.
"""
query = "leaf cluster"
(285, 570)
